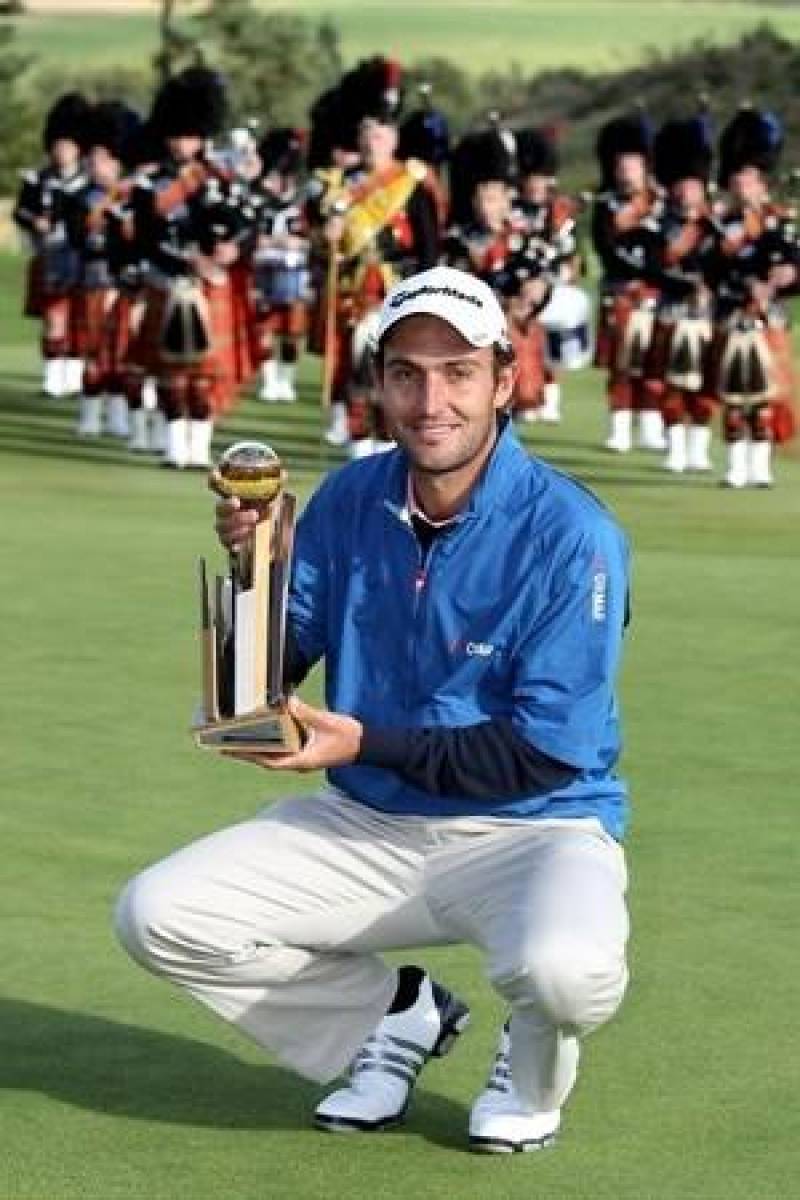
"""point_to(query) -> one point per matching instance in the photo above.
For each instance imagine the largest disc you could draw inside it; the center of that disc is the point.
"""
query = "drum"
(281, 278)
(567, 323)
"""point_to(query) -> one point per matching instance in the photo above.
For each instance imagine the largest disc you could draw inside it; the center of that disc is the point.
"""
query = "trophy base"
(263, 731)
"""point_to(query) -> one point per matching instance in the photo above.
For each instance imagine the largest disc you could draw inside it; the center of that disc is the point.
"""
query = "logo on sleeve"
(599, 593)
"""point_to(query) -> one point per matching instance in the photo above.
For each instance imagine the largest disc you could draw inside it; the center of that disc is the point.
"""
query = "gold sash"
(373, 204)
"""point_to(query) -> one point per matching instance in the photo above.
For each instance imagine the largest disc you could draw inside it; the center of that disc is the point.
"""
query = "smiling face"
(441, 397)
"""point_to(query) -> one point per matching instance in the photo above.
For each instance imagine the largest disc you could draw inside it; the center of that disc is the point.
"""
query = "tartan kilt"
(783, 400)
(616, 311)
(531, 371)
(231, 357)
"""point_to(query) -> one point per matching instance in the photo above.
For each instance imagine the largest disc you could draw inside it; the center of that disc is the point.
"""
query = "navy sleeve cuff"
(383, 747)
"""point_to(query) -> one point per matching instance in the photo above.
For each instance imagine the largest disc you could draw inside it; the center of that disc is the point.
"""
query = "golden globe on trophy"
(243, 614)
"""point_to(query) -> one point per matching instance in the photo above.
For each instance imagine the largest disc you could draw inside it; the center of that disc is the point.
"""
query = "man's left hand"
(332, 740)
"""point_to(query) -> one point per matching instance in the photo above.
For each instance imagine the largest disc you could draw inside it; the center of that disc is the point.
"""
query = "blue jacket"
(517, 613)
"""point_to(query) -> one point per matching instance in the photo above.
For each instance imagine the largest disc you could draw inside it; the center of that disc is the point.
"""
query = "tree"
(276, 63)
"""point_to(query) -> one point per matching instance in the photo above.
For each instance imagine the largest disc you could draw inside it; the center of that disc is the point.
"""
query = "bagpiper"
(40, 211)
(195, 336)
(281, 273)
(680, 363)
(754, 266)
(111, 130)
(376, 222)
(550, 219)
(490, 241)
(625, 222)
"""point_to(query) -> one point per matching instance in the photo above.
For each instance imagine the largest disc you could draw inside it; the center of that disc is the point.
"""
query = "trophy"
(243, 616)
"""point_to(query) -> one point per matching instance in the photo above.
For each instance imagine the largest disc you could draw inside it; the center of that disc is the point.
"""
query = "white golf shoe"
(383, 1073)
(499, 1122)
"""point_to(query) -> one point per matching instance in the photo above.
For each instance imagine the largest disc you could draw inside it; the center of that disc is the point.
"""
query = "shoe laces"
(500, 1078)
(389, 1055)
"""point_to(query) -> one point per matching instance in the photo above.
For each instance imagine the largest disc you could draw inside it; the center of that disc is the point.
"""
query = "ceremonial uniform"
(680, 360)
(387, 217)
(101, 315)
(550, 222)
(44, 198)
(625, 223)
(280, 261)
(196, 333)
(755, 262)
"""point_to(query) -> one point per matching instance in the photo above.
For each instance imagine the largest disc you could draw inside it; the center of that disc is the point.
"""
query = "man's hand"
(332, 740)
(235, 523)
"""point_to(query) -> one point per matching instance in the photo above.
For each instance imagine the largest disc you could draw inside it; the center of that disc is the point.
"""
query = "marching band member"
(40, 211)
(550, 220)
(680, 360)
(625, 221)
(376, 223)
(193, 335)
(754, 265)
(281, 262)
(109, 131)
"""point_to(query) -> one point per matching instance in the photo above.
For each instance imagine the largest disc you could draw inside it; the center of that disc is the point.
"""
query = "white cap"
(465, 302)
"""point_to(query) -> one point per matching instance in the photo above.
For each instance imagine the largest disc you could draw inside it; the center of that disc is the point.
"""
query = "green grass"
(597, 35)
(115, 1088)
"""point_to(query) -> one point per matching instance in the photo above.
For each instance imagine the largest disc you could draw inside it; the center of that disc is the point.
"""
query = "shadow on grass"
(142, 1074)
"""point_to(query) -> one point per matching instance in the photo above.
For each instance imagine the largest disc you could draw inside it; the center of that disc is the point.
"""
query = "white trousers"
(277, 925)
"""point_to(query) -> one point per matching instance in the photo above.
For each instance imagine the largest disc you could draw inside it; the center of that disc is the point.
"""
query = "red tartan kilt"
(531, 371)
(91, 321)
(232, 356)
(783, 403)
(658, 356)
(285, 321)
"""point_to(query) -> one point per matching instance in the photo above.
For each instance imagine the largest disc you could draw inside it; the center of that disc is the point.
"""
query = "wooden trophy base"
(264, 731)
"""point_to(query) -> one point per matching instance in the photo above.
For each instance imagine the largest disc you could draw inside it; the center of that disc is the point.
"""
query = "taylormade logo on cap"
(463, 301)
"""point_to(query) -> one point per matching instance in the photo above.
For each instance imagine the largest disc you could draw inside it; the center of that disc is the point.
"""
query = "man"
(101, 315)
(281, 261)
(40, 211)
(550, 221)
(375, 223)
(680, 359)
(625, 220)
(754, 266)
(189, 224)
(469, 604)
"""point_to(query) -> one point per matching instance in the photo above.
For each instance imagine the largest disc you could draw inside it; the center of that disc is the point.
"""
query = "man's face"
(689, 193)
(103, 167)
(536, 188)
(65, 154)
(184, 148)
(377, 142)
(630, 173)
(440, 395)
(748, 186)
(492, 203)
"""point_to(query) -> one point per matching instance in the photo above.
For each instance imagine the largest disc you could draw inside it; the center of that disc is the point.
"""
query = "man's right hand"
(234, 523)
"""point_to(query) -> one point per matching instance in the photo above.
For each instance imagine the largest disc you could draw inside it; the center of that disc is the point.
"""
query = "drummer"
(281, 263)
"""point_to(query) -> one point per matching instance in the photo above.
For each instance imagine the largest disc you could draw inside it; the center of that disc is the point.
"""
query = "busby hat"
(480, 157)
(68, 119)
(425, 134)
(374, 89)
(191, 104)
(622, 135)
(334, 126)
(752, 138)
(536, 153)
(116, 126)
(681, 150)
(282, 149)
